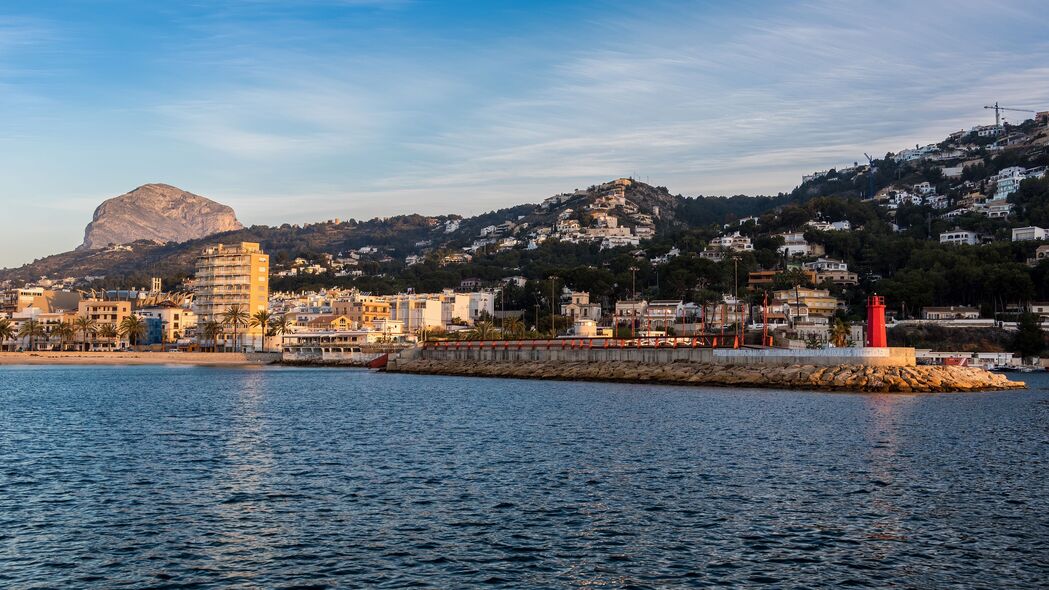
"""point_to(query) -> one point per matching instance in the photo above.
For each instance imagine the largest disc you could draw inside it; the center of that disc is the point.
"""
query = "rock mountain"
(157, 212)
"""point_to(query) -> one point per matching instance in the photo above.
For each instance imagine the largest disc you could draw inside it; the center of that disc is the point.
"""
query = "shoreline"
(224, 359)
(840, 378)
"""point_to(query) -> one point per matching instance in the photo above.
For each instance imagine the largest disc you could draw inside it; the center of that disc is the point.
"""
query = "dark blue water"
(136, 477)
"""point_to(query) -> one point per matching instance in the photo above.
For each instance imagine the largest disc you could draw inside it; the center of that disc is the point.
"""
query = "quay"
(678, 361)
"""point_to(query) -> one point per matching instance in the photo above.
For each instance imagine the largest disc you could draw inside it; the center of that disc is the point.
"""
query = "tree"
(65, 332)
(30, 330)
(1029, 340)
(210, 331)
(513, 328)
(133, 328)
(483, 331)
(7, 331)
(280, 325)
(84, 325)
(235, 317)
(262, 319)
(107, 332)
(839, 333)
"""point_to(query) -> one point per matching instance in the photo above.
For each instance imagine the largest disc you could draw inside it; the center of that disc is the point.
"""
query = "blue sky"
(303, 111)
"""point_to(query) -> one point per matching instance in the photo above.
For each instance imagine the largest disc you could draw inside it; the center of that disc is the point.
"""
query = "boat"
(379, 362)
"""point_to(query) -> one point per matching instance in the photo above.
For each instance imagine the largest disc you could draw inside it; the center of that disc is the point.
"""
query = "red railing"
(707, 341)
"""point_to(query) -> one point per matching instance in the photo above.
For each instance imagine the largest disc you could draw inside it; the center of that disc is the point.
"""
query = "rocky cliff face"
(157, 212)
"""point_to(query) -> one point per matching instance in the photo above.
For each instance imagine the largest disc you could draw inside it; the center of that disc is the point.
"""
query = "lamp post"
(633, 283)
(553, 302)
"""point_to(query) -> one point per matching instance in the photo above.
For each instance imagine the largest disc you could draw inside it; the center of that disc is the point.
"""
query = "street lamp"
(633, 283)
(553, 328)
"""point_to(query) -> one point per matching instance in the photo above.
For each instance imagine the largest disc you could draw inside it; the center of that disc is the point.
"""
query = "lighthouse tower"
(876, 322)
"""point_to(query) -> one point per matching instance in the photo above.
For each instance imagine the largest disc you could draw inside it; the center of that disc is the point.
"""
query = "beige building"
(817, 302)
(229, 275)
(577, 305)
(416, 312)
(363, 310)
(106, 312)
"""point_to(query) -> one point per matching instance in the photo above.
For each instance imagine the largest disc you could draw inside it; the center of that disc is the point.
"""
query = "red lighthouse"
(876, 322)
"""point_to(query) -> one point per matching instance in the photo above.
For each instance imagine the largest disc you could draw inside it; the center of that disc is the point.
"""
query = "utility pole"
(553, 302)
(735, 294)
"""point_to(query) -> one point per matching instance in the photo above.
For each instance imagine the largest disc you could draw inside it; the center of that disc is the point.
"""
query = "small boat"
(379, 362)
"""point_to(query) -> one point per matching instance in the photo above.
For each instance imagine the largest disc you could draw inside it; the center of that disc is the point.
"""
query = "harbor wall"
(572, 352)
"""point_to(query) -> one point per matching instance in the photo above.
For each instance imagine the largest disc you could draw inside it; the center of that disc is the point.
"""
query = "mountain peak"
(158, 212)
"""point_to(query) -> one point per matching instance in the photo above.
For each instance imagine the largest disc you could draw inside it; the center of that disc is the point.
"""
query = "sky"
(294, 112)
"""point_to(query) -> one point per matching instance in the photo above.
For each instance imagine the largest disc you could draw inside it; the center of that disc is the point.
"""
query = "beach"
(138, 358)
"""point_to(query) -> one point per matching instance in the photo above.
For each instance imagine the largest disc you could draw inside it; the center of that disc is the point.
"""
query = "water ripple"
(130, 477)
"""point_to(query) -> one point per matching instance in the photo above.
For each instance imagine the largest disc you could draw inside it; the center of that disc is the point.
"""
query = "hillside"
(985, 181)
(585, 213)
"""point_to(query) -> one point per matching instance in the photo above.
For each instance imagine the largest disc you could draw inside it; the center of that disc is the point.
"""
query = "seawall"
(856, 378)
(598, 350)
(842, 369)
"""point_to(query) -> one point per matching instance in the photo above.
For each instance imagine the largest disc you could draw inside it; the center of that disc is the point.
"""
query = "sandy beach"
(137, 358)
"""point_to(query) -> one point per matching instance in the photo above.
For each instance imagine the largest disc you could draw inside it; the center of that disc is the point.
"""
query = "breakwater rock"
(834, 378)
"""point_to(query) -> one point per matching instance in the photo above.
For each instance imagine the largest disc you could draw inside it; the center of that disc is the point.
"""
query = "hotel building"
(229, 275)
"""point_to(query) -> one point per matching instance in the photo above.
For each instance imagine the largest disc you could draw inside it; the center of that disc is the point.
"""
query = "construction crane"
(870, 176)
(998, 113)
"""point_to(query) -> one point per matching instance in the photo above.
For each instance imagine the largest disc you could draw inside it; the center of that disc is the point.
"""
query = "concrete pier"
(843, 369)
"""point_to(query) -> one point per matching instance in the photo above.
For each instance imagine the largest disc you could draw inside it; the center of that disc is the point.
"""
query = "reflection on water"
(239, 484)
(885, 414)
(133, 477)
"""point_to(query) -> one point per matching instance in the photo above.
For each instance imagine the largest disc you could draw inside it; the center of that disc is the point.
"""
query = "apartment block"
(229, 275)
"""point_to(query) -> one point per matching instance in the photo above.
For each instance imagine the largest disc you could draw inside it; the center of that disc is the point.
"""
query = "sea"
(201, 477)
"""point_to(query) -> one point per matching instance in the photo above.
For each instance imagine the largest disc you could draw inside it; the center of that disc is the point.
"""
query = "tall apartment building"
(230, 275)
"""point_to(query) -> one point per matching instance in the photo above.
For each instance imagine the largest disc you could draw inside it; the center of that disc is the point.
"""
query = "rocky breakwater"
(919, 379)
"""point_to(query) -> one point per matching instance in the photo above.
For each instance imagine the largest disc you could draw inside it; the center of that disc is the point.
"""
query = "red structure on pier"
(876, 322)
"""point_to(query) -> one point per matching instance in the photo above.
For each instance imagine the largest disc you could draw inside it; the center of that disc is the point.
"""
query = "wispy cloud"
(311, 110)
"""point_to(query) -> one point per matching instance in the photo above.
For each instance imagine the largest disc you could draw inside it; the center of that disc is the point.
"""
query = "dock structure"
(867, 369)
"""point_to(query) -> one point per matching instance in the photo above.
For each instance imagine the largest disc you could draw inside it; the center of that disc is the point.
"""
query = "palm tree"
(235, 316)
(483, 331)
(280, 325)
(839, 333)
(132, 327)
(107, 332)
(210, 331)
(7, 331)
(65, 332)
(261, 319)
(31, 329)
(513, 328)
(85, 325)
